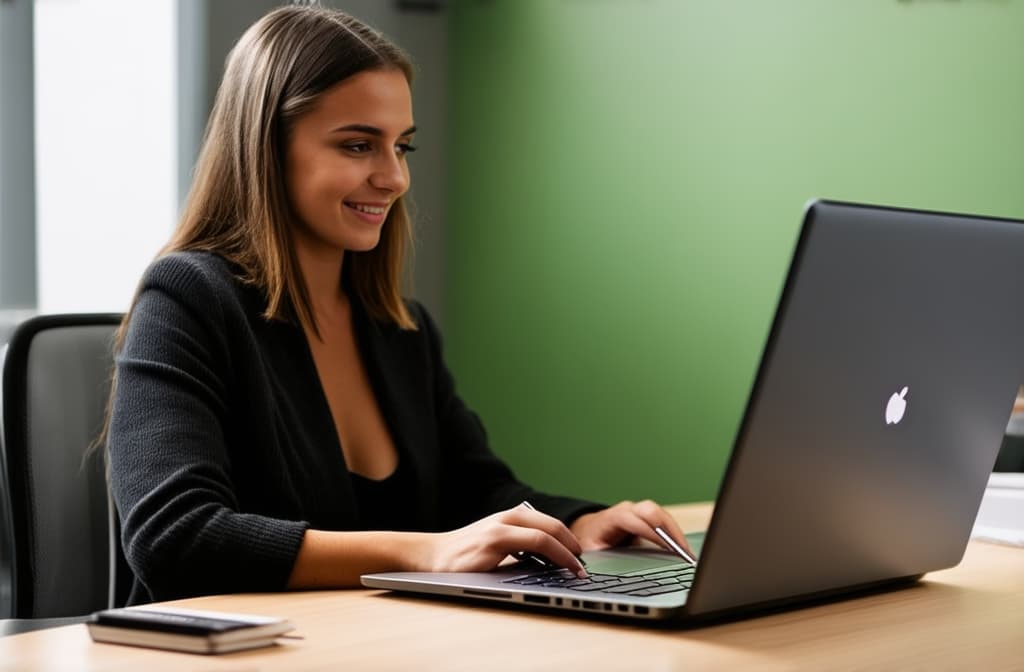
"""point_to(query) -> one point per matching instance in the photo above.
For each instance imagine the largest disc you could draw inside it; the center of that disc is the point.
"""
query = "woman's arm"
(183, 530)
(337, 559)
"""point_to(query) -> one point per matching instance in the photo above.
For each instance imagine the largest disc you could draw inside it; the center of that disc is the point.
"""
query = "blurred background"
(607, 193)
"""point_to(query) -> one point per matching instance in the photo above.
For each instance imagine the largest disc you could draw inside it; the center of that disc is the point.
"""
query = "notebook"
(873, 423)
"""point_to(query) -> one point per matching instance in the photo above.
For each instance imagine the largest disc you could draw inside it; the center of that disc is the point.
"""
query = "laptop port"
(486, 593)
(641, 610)
(537, 599)
(587, 604)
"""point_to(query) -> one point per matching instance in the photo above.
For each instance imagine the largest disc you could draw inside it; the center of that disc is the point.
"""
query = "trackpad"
(629, 560)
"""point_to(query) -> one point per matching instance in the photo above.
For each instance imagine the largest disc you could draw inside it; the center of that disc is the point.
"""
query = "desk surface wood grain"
(967, 617)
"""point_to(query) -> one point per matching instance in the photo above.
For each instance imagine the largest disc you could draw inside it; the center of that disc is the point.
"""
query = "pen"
(675, 547)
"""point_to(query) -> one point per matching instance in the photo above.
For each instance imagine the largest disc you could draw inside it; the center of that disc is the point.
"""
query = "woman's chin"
(364, 245)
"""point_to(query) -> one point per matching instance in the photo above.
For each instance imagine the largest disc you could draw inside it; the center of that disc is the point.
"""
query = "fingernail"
(582, 573)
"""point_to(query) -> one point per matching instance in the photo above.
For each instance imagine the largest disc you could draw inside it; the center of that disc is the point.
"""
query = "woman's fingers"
(524, 516)
(630, 520)
(482, 545)
(533, 540)
(637, 519)
(655, 516)
(677, 534)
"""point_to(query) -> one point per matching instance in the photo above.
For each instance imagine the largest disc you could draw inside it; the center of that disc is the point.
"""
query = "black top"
(223, 449)
(386, 504)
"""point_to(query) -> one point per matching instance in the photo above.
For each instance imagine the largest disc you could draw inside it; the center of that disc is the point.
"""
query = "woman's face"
(345, 162)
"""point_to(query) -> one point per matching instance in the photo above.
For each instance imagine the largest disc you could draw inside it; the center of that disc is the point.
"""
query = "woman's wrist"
(411, 551)
(579, 524)
(329, 559)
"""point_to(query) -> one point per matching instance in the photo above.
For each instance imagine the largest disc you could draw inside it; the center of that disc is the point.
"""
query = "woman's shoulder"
(188, 267)
(199, 278)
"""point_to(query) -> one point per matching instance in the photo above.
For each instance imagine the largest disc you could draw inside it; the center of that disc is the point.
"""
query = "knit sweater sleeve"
(171, 471)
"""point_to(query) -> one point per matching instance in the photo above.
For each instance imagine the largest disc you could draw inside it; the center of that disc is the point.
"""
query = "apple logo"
(896, 407)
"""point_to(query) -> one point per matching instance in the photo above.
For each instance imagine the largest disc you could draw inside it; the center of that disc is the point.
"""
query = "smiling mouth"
(368, 209)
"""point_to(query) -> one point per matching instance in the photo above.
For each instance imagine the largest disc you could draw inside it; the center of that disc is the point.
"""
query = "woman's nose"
(391, 174)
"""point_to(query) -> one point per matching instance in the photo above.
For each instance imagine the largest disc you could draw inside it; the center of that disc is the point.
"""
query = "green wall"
(628, 179)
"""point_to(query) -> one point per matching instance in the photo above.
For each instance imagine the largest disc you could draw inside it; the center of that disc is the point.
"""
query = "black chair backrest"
(56, 380)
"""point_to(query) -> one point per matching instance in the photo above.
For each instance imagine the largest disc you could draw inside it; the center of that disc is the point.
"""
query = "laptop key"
(589, 588)
(630, 587)
(533, 580)
(617, 584)
(668, 575)
(668, 582)
(578, 582)
(560, 580)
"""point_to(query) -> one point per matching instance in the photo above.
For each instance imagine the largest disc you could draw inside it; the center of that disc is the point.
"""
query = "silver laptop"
(873, 424)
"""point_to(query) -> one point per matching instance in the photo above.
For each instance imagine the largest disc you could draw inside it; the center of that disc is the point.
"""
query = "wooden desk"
(968, 617)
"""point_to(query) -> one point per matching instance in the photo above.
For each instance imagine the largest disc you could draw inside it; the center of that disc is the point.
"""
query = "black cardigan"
(223, 448)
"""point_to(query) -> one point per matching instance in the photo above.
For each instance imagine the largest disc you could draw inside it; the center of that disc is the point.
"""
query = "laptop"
(873, 423)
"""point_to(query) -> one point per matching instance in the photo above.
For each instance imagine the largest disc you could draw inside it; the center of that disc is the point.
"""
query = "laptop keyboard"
(645, 584)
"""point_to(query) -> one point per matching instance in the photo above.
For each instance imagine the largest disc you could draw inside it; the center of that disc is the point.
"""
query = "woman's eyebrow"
(371, 130)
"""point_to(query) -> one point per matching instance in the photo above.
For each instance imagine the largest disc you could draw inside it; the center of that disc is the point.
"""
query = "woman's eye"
(357, 147)
(363, 147)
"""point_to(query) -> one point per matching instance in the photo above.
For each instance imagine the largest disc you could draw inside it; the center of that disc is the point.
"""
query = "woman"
(281, 418)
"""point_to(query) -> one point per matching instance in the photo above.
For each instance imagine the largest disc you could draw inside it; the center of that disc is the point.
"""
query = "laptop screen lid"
(873, 423)
(878, 409)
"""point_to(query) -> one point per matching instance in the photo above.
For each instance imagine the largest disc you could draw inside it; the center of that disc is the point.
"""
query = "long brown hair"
(238, 206)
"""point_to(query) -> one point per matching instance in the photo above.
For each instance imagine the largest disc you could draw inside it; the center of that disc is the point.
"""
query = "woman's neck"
(327, 298)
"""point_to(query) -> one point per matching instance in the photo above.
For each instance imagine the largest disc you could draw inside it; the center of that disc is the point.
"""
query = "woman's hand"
(480, 546)
(330, 559)
(621, 524)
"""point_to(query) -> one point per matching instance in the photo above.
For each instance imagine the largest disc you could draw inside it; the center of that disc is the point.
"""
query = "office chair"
(1011, 452)
(65, 557)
